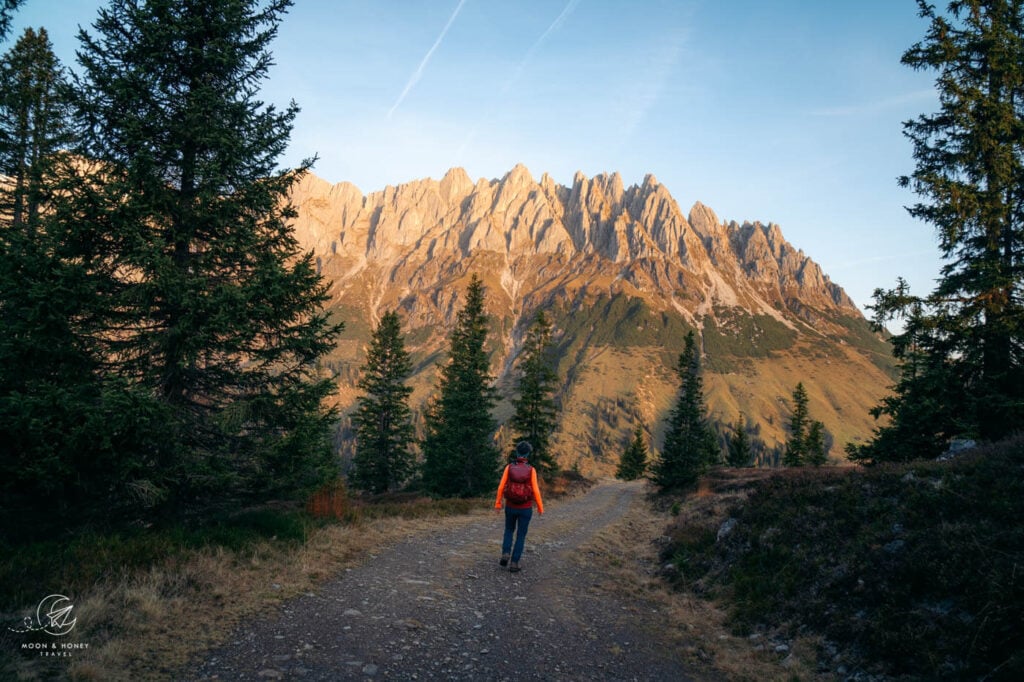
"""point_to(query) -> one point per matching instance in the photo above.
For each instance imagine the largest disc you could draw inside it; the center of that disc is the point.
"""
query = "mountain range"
(623, 273)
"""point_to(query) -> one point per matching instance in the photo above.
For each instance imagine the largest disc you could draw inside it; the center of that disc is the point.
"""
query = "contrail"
(559, 20)
(426, 58)
(521, 67)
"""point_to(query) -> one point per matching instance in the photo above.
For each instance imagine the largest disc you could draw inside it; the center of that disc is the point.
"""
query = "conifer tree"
(383, 420)
(61, 430)
(7, 8)
(535, 409)
(690, 445)
(816, 455)
(633, 462)
(962, 360)
(460, 458)
(741, 452)
(212, 308)
(796, 444)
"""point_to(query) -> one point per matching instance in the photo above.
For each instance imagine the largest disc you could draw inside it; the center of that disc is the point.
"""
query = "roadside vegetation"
(147, 599)
(908, 571)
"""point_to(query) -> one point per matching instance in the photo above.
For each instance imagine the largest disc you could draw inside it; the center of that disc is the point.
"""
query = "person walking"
(519, 488)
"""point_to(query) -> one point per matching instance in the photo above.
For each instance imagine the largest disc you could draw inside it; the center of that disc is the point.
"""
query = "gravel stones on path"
(439, 607)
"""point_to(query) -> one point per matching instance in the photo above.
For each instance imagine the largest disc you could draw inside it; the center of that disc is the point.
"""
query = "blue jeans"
(516, 518)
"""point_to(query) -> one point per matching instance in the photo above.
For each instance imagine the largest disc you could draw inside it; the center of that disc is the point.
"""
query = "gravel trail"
(439, 607)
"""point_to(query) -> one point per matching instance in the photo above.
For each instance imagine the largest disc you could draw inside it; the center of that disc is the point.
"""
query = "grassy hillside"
(615, 354)
(914, 572)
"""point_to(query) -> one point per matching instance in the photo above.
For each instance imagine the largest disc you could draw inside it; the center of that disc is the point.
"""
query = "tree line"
(161, 327)
(459, 457)
(692, 443)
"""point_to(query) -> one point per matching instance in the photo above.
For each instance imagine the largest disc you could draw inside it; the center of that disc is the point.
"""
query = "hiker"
(519, 488)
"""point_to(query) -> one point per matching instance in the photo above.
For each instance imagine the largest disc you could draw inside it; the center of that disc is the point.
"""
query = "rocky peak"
(515, 216)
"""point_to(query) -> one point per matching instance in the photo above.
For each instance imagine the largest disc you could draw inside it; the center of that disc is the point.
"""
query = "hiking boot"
(514, 568)
(504, 560)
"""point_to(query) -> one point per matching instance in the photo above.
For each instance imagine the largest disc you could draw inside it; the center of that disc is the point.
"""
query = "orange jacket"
(533, 484)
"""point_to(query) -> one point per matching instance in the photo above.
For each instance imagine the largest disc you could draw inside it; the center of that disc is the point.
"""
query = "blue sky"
(786, 111)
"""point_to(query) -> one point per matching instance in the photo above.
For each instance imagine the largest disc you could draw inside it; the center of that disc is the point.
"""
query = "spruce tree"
(212, 307)
(535, 410)
(7, 8)
(459, 455)
(741, 452)
(796, 444)
(61, 431)
(816, 454)
(690, 445)
(383, 420)
(962, 362)
(633, 462)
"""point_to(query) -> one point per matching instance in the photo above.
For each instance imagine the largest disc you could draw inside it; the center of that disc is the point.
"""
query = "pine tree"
(58, 429)
(460, 459)
(690, 446)
(383, 420)
(7, 8)
(535, 409)
(34, 127)
(816, 454)
(741, 452)
(796, 444)
(213, 309)
(961, 359)
(633, 462)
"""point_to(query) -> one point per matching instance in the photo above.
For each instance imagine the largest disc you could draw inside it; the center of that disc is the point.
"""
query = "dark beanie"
(523, 450)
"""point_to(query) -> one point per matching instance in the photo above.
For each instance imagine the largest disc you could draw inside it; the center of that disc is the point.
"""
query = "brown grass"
(693, 625)
(147, 624)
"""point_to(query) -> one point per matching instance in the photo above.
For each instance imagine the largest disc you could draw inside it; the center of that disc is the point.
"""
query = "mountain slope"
(623, 273)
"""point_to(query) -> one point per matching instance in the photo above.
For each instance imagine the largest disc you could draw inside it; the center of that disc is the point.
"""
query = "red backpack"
(519, 489)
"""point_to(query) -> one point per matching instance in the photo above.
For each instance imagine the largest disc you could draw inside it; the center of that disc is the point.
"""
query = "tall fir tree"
(34, 129)
(690, 444)
(212, 309)
(459, 455)
(960, 351)
(741, 453)
(7, 8)
(796, 444)
(633, 462)
(816, 454)
(535, 414)
(384, 431)
(61, 428)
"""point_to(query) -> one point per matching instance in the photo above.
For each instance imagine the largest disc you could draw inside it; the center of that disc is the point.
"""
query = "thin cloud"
(559, 20)
(874, 260)
(876, 106)
(426, 58)
(648, 90)
(523, 63)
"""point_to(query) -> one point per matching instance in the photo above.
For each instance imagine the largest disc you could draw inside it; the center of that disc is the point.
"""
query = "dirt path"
(440, 607)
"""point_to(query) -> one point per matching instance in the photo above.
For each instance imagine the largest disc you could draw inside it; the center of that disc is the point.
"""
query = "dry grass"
(693, 625)
(147, 624)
